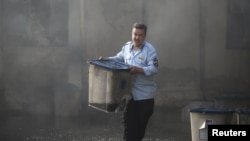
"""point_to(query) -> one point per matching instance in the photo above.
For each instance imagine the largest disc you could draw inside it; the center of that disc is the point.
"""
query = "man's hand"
(135, 69)
(103, 58)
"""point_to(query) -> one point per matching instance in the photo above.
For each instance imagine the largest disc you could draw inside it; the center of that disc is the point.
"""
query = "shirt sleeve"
(153, 63)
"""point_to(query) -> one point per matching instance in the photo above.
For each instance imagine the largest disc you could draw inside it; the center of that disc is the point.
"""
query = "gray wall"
(45, 46)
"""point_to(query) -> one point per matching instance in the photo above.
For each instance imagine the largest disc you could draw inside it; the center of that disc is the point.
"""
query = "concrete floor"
(94, 126)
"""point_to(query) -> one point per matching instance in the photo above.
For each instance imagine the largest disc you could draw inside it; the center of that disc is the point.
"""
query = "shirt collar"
(142, 46)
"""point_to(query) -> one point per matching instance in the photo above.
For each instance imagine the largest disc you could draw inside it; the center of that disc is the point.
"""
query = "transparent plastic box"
(109, 85)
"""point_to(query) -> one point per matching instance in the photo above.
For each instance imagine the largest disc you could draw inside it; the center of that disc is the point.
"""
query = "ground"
(165, 125)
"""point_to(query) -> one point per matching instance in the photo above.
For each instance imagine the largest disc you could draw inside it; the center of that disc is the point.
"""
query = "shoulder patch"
(155, 62)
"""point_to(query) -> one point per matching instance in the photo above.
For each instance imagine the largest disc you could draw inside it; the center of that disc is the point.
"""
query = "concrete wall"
(45, 46)
(174, 29)
(35, 54)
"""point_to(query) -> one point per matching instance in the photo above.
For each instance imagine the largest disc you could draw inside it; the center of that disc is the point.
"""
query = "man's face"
(138, 37)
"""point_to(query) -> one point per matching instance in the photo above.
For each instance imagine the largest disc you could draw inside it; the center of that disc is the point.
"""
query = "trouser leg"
(130, 127)
(136, 118)
(145, 111)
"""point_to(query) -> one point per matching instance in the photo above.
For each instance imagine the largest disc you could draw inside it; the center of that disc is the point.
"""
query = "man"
(143, 59)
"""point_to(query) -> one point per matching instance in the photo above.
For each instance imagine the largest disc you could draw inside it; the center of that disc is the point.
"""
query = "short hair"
(140, 26)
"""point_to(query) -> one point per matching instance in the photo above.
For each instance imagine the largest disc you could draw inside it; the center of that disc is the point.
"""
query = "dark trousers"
(136, 118)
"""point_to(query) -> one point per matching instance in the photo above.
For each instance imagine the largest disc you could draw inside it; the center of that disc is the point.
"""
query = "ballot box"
(109, 85)
(200, 118)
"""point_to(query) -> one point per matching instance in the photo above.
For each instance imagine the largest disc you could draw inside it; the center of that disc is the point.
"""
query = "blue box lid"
(206, 110)
(243, 111)
(112, 65)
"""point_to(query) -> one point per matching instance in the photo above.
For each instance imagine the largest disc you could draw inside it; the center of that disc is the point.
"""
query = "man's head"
(139, 32)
